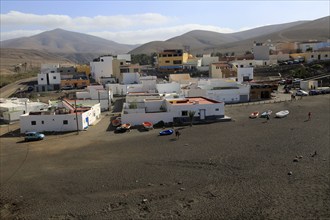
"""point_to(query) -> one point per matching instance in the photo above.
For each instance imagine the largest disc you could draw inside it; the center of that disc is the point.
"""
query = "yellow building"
(84, 69)
(171, 60)
(76, 81)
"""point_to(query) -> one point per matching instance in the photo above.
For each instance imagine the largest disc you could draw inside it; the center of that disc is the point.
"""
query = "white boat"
(266, 113)
(282, 114)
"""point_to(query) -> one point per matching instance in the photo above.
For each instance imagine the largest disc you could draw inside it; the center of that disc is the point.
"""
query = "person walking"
(177, 133)
(309, 116)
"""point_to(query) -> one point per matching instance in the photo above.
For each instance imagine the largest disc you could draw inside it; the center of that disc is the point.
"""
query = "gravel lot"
(227, 170)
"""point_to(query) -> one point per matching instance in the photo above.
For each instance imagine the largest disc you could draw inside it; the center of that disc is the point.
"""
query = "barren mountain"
(62, 41)
(33, 58)
(207, 41)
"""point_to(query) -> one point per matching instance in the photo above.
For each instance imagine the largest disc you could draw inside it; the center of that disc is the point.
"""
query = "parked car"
(314, 92)
(34, 136)
(301, 93)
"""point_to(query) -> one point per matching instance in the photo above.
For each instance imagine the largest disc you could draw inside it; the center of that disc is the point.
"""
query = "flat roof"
(193, 101)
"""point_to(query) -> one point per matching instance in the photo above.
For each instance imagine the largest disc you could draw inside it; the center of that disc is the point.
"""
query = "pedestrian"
(177, 133)
(267, 116)
(309, 116)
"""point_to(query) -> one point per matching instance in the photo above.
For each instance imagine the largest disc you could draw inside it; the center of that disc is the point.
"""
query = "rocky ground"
(243, 169)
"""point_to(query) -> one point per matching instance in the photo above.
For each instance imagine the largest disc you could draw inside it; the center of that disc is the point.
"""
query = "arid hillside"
(23, 60)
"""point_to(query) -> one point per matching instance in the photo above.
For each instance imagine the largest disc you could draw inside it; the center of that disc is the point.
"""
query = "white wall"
(54, 78)
(131, 78)
(194, 92)
(139, 118)
(210, 109)
(102, 68)
(117, 89)
(47, 68)
(306, 85)
(207, 60)
(173, 87)
(126, 57)
(49, 122)
(42, 79)
(261, 52)
(244, 72)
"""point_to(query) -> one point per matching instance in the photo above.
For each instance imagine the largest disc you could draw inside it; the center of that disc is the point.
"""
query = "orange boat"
(254, 115)
(116, 122)
(126, 126)
(147, 125)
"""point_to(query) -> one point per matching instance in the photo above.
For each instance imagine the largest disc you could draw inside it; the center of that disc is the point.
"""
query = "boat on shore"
(147, 125)
(116, 122)
(123, 128)
(266, 114)
(166, 132)
(254, 115)
(282, 114)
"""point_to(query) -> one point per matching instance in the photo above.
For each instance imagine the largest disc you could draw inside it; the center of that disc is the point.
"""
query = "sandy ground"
(227, 170)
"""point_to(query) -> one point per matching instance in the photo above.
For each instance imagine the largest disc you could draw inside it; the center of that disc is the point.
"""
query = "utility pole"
(75, 107)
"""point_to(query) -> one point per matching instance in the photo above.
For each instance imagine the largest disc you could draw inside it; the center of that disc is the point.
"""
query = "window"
(217, 109)
(65, 122)
(177, 62)
(121, 63)
(54, 77)
(326, 55)
(167, 61)
(42, 122)
(41, 78)
(184, 113)
(312, 56)
(33, 122)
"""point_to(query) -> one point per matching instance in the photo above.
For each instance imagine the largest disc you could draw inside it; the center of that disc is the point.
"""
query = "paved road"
(9, 89)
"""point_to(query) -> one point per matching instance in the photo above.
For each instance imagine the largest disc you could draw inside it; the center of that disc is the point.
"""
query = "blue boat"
(166, 132)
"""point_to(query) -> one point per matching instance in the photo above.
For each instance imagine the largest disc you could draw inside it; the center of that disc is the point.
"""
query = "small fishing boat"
(116, 122)
(254, 115)
(266, 113)
(147, 125)
(123, 128)
(166, 132)
(282, 114)
(126, 126)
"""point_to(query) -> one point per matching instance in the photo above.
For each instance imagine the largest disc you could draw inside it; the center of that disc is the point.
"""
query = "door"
(87, 122)
(201, 114)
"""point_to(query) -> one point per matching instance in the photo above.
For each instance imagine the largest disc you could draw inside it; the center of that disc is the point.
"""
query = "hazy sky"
(136, 22)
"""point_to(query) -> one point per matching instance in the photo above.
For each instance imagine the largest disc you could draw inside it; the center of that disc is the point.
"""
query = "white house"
(317, 55)
(62, 118)
(244, 74)
(49, 68)
(12, 109)
(309, 84)
(222, 90)
(49, 81)
(260, 51)
(101, 67)
(173, 110)
(206, 61)
(97, 93)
